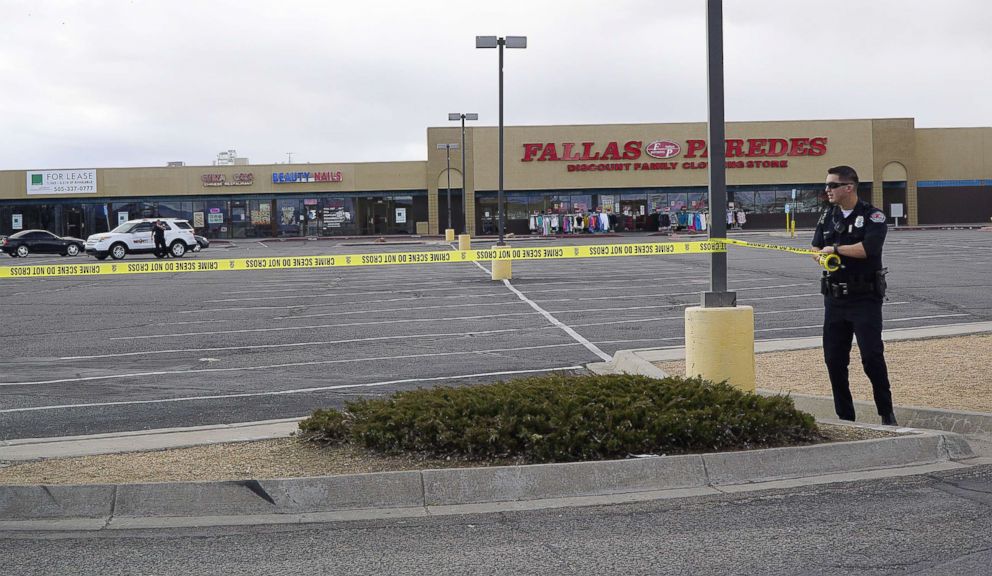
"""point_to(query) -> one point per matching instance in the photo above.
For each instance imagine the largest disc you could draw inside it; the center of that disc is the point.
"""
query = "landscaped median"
(591, 436)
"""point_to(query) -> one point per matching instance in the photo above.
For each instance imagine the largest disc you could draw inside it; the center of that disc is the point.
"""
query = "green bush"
(566, 418)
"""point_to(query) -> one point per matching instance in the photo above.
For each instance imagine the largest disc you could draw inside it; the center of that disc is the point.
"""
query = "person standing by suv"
(158, 234)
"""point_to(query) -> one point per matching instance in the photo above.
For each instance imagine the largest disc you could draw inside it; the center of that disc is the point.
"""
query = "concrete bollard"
(464, 241)
(719, 345)
(502, 269)
(449, 235)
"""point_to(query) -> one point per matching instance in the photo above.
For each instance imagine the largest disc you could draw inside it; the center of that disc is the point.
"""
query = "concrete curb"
(427, 489)
(160, 439)
(958, 422)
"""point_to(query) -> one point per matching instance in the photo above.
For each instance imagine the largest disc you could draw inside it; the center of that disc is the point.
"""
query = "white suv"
(135, 237)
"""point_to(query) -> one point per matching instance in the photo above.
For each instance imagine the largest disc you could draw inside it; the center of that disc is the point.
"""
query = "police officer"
(855, 231)
(158, 234)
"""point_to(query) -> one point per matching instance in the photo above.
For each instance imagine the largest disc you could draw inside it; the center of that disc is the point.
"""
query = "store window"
(697, 201)
(289, 217)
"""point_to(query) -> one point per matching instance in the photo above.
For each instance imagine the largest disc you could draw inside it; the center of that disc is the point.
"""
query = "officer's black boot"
(889, 419)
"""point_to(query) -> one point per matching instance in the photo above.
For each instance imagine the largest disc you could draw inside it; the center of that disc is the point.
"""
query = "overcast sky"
(93, 84)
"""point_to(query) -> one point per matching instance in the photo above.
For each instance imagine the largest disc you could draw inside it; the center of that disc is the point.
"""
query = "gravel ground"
(284, 458)
(950, 373)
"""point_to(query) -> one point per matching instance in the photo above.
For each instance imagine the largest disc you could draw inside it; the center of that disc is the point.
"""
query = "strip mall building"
(929, 175)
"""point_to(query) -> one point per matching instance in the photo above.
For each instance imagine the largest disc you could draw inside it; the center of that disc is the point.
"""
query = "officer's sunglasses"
(835, 185)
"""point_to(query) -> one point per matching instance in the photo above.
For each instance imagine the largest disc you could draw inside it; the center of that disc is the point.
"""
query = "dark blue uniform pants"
(861, 317)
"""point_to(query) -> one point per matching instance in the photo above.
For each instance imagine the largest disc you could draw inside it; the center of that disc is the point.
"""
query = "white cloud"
(140, 83)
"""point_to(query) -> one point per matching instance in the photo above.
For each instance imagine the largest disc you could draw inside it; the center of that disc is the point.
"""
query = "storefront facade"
(635, 171)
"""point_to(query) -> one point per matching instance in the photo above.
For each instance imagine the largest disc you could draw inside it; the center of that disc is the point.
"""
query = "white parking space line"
(338, 304)
(323, 291)
(404, 309)
(568, 330)
(554, 321)
(287, 392)
(285, 365)
(295, 344)
(597, 288)
(779, 297)
(326, 294)
(426, 286)
(314, 326)
(682, 317)
(662, 295)
(925, 317)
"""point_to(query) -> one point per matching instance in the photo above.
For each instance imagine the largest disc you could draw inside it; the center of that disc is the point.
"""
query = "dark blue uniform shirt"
(865, 224)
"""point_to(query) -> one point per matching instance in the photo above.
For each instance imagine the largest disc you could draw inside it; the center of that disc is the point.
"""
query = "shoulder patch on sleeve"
(877, 217)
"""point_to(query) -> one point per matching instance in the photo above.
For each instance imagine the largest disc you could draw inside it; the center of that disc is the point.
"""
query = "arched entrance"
(457, 206)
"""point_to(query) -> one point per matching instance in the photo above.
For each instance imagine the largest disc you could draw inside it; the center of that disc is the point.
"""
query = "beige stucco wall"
(185, 181)
(954, 153)
(848, 142)
(893, 141)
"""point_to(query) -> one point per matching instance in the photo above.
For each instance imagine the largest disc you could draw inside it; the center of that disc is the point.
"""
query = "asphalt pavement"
(88, 355)
(936, 524)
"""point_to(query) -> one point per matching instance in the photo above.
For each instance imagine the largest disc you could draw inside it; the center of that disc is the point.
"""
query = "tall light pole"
(463, 117)
(447, 152)
(500, 42)
(289, 157)
(718, 296)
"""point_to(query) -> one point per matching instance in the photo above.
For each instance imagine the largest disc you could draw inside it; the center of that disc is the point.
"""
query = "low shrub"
(562, 418)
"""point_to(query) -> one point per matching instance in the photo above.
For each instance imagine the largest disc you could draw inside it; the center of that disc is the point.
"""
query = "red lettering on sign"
(798, 146)
(777, 147)
(694, 146)
(818, 146)
(566, 153)
(612, 152)
(586, 149)
(550, 153)
(632, 150)
(735, 148)
(756, 146)
(529, 151)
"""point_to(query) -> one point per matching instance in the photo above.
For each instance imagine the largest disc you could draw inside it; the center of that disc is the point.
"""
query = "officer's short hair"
(845, 173)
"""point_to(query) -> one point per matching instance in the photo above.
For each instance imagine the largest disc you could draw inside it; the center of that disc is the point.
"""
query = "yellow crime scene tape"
(830, 262)
(348, 260)
(387, 259)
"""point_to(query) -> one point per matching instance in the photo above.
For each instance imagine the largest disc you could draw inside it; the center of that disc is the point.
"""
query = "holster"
(880, 282)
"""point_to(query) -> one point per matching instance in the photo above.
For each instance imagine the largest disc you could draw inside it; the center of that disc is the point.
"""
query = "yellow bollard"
(502, 269)
(464, 241)
(449, 235)
(719, 345)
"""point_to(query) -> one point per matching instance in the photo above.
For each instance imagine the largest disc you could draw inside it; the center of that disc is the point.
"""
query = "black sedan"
(40, 242)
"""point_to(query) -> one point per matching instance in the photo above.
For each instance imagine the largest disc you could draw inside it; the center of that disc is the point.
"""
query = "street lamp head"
(516, 41)
(471, 116)
(454, 116)
(486, 42)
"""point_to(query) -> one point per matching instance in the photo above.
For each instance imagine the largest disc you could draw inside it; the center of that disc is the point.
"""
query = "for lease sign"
(62, 182)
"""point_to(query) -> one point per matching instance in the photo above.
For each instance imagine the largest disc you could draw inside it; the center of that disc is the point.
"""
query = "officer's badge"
(877, 217)
(859, 221)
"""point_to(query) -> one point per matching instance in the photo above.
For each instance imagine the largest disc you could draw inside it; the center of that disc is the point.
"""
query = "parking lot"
(86, 355)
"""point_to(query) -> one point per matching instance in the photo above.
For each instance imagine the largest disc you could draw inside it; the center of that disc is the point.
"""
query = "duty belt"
(835, 289)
